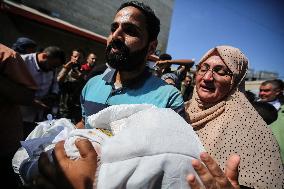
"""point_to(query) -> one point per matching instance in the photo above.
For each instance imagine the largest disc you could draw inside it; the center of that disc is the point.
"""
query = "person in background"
(187, 88)
(166, 68)
(24, 45)
(90, 63)
(280, 97)
(267, 111)
(228, 124)
(42, 67)
(92, 68)
(250, 96)
(70, 79)
(96, 70)
(170, 78)
(17, 88)
(277, 128)
(269, 91)
(163, 68)
(264, 109)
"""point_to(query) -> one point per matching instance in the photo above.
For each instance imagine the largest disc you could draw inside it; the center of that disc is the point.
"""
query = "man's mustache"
(117, 44)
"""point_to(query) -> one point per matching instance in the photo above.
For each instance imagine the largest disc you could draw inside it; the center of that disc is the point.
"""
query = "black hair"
(82, 53)
(267, 111)
(152, 21)
(165, 57)
(276, 84)
(56, 53)
(280, 83)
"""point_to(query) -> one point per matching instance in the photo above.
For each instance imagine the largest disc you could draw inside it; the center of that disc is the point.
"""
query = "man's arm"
(16, 82)
(186, 62)
(15, 93)
(64, 71)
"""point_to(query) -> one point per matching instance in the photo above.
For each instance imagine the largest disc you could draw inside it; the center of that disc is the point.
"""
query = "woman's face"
(213, 80)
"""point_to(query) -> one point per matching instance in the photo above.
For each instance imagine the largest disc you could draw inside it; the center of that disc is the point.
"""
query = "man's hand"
(212, 175)
(69, 64)
(80, 124)
(68, 173)
(76, 74)
(162, 64)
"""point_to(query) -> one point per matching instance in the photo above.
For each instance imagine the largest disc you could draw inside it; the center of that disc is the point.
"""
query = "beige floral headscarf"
(232, 126)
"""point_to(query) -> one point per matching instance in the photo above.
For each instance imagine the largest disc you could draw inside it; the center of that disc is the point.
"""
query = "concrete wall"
(97, 15)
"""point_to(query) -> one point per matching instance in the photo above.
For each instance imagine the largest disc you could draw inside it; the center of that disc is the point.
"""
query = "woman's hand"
(212, 175)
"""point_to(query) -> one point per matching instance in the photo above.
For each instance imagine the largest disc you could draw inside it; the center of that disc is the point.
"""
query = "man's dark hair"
(165, 57)
(276, 83)
(280, 83)
(152, 21)
(55, 52)
(281, 87)
(267, 111)
(79, 51)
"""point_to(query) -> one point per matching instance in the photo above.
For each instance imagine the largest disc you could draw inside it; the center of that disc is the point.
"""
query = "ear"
(42, 56)
(152, 47)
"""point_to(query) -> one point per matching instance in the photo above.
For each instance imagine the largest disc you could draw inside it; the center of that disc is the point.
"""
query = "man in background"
(70, 80)
(42, 66)
(17, 88)
(269, 91)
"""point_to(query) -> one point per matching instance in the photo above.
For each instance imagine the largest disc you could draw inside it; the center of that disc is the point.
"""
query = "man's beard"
(123, 59)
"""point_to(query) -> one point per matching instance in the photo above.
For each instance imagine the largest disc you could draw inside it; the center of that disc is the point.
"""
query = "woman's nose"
(208, 75)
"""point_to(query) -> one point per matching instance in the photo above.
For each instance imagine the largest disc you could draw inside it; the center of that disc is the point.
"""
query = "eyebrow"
(223, 66)
(129, 24)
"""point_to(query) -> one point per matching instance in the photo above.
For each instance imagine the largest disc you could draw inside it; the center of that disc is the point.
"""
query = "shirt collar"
(109, 75)
(276, 104)
(36, 62)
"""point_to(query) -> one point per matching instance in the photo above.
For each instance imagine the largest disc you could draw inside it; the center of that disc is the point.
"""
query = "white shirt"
(46, 82)
(276, 104)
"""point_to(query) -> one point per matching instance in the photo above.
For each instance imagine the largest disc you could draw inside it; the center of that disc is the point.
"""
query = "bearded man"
(132, 39)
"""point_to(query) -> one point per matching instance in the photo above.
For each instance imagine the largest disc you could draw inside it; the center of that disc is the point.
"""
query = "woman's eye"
(220, 70)
(203, 68)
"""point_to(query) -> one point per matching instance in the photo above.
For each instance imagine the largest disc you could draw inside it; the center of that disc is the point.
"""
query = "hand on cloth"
(212, 175)
(67, 173)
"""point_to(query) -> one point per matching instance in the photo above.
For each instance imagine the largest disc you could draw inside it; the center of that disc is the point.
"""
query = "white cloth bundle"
(150, 148)
(153, 150)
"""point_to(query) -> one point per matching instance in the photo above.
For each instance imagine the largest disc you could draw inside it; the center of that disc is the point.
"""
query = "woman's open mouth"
(207, 88)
